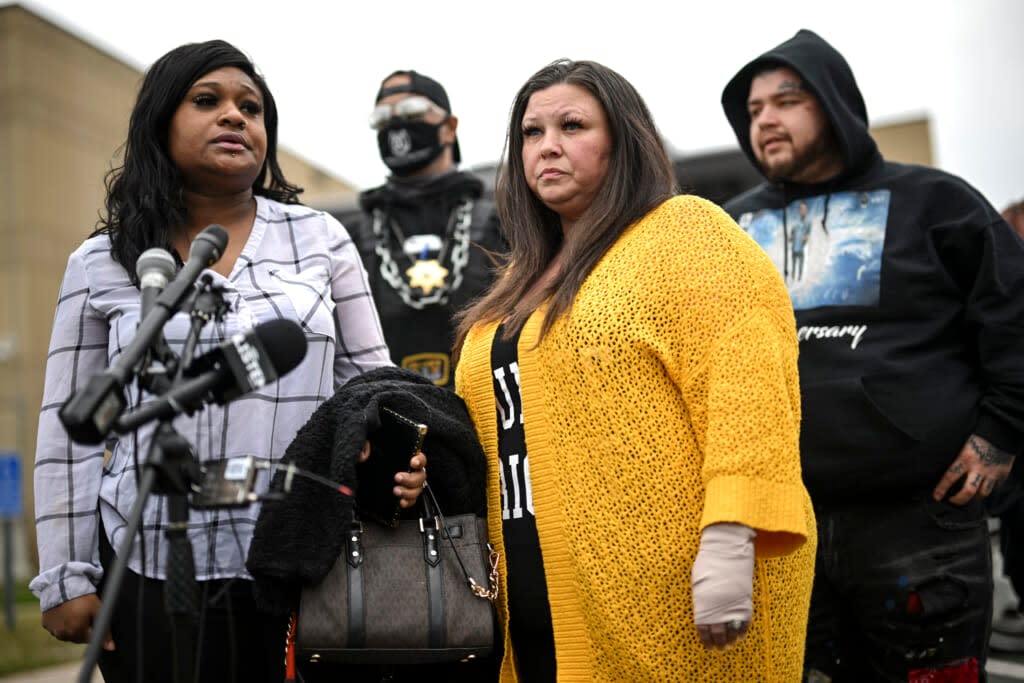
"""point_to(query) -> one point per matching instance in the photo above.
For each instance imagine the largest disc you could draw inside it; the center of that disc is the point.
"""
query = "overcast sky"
(958, 62)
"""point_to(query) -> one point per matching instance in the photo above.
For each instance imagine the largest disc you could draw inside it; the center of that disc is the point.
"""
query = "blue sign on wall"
(10, 485)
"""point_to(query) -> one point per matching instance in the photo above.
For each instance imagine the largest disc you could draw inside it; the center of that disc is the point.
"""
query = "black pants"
(235, 644)
(899, 588)
(1011, 546)
(1007, 503)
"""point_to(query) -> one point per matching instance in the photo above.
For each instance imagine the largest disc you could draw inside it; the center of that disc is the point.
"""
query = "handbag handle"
(431, 510)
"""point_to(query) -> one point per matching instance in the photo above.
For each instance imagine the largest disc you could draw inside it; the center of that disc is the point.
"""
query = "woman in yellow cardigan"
(632, 377)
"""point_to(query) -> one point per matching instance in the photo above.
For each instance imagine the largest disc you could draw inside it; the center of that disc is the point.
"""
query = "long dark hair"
(640, 177)
(144, 203)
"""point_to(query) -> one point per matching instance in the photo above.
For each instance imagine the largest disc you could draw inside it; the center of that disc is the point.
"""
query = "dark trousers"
(235, 642)
(1011, 546)
(1007, 503)
(901, 589)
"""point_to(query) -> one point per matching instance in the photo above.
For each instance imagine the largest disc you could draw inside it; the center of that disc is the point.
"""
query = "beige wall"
(908, 141)
(64, 108)
(319, 187)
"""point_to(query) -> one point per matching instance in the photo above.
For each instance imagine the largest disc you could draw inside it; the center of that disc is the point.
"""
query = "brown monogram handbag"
(403, 594)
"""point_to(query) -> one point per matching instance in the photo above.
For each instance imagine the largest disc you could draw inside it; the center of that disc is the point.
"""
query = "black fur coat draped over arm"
(298, 538)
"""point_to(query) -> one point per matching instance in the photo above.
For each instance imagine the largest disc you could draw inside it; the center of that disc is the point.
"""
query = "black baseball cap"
(421, 85)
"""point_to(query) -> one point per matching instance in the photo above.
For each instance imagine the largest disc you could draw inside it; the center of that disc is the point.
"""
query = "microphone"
(91, 411)
(155, 268)
(242, 364)
(206, 249)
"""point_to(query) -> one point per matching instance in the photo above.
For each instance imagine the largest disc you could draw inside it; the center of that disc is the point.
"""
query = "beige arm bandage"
(723, 574)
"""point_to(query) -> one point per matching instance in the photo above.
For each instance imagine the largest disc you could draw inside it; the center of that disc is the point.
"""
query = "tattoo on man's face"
(789, 86)
(989, 454)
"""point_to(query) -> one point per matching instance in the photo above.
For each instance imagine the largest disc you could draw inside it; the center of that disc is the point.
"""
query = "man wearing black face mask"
(428, 235)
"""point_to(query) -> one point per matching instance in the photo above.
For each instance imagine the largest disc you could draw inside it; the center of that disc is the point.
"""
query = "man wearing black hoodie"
(910, 312)
(426, 234)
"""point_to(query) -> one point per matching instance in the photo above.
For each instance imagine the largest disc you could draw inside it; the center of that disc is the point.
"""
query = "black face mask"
(409, 146)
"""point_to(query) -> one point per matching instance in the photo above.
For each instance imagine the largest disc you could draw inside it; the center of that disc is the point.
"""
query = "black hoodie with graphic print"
(908, 289)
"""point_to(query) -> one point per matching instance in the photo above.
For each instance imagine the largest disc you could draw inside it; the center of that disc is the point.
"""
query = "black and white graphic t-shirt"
(529, 612)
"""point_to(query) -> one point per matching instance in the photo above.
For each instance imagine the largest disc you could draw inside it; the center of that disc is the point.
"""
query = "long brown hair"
(640, 177)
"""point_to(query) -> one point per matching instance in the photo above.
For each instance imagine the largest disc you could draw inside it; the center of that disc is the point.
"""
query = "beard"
(806, 166)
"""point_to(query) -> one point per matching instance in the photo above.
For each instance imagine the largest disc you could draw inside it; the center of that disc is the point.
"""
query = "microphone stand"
(171, 471)
(208, 305)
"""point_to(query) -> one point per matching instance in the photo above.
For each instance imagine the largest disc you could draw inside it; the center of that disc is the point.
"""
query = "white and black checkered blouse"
(298, 264)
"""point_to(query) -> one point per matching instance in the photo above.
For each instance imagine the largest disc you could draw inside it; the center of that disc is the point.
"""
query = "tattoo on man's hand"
(989, 454)
(956, 468)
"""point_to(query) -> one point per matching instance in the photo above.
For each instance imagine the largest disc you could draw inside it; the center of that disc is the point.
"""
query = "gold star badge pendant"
(427, 275)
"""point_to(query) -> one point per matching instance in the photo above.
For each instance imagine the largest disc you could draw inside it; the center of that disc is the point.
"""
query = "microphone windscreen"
(285, 343)
(209, 244)
(156, 261)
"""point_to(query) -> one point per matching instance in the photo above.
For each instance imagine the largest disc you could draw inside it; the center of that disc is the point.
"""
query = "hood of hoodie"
(828, 77)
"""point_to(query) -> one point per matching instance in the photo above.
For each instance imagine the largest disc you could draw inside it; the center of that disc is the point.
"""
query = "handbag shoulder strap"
(431, 510)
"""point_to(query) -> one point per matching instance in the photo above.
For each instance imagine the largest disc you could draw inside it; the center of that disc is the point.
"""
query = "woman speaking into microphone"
(201, 150)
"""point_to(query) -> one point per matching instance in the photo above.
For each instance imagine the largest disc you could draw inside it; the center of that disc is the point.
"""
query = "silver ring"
(735, 624)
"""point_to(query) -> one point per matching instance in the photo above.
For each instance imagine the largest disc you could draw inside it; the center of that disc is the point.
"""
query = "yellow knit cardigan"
(666, 400)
